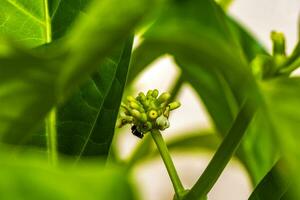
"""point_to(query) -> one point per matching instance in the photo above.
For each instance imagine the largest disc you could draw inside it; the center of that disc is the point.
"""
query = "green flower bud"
(162, 122)
(164, 97)
(174, 105)
(149, 93)
(147, 112)
(142, 96)
(153, 114)
(135, 113)
(155, 93)
(143, 117)
(137, 106)
(131, 99)
(278, 43)
(134, 105)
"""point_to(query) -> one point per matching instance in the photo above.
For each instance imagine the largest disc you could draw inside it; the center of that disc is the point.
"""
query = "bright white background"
(260, 17)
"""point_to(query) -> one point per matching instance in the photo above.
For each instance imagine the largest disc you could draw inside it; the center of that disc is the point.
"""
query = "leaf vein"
(24, 11)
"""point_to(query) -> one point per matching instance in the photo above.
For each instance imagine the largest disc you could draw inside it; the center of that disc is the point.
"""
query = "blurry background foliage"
(64, 65)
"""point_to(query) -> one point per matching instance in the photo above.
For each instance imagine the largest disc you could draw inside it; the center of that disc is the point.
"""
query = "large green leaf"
(282, 107)
(36, 22)
(86, 122)
(33, 178)
(31, 84)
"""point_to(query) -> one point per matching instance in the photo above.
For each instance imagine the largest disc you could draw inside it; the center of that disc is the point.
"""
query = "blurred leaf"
(273, 186)
(86, 122)
(26, 89)
(250, 45)
(63, 14)
(207, 141)
(214, 92)
(258, 151)
(225, 3)
(282, 99)
(31, 85)
(36, 22)
(200, 33)
(142, 57)
(32, 178)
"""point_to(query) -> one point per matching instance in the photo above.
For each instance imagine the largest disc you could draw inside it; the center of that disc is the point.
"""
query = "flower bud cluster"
(147, 112)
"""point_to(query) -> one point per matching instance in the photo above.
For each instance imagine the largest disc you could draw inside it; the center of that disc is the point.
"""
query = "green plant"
(64, 65)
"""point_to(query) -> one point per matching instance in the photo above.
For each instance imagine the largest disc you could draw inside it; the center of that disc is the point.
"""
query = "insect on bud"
(147, 113)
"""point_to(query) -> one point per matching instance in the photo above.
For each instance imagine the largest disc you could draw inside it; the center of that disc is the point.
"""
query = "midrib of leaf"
(26, 12)
(48, 29)
(94, 122)
(51, 136)
(51, 132)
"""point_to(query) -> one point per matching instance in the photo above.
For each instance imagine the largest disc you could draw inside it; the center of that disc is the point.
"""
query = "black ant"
(136, 132)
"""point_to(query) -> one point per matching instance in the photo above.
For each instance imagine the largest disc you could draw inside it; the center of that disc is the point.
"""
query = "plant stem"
(51, 136)
(224, 153)
(163, 150)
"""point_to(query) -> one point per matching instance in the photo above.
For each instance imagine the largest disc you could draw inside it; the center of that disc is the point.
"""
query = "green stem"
(224, 153)
(51, 136)
(163, 150)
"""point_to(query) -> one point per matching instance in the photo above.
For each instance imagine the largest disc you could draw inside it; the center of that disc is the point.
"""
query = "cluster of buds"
(147, 112)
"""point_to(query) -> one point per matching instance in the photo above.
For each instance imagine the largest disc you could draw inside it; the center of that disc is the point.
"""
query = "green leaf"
(86, 122)
(225, 3)
(35, 22)
(249, 45)
(282, 102)
(43, 82)
(273, 186)
(26, 89)
(31, 177)
(192, 141)
(257, 151)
